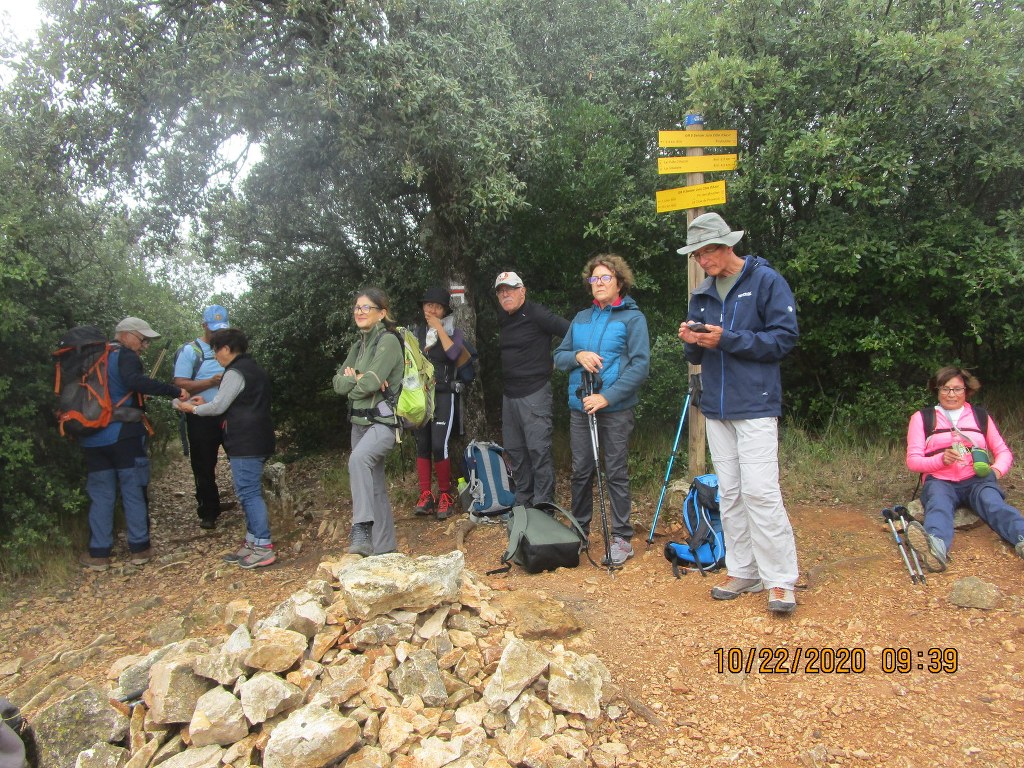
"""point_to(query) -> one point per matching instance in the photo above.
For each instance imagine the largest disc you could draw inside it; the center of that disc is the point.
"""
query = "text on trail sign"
(697, 196)
(727, 138)
(696, 164)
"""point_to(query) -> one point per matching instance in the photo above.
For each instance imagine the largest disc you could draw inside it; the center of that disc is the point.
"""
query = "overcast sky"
(21, 16)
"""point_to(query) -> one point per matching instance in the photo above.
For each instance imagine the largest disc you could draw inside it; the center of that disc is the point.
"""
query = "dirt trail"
(711, 683)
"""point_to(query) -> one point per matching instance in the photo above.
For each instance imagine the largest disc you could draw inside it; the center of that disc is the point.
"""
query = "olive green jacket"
(378, 357)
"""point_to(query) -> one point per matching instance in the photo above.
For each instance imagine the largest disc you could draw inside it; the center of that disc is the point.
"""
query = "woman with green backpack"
(374, 361)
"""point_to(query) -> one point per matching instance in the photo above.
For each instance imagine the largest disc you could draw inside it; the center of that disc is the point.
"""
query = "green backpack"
(415, 403)
(539, 542)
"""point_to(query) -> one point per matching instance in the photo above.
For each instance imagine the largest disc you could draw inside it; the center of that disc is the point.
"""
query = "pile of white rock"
(383, 662)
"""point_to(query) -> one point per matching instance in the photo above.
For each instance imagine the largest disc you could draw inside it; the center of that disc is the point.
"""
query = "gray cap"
(709, 229)
(138, 325)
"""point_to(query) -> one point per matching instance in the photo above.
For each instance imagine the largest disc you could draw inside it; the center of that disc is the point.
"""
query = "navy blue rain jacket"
(741, 378)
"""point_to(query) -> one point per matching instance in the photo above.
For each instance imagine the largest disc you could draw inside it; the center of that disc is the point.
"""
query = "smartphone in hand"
(698, 328)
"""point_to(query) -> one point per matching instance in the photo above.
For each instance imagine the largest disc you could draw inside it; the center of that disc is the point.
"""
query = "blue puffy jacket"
(741, 378)
(618, 333)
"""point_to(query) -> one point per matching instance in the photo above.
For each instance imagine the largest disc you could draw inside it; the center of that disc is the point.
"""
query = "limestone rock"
(972, 592)
(376, 585)
(311, 737)
(135, 677)
(303, 612)
(575, 684)
(227, 663)
(266, 695)
(275, 650)
(76, 723)
(218, 719)
(420, 676)
(202, 757)
(239, 613)
(519, 666)
(174, 690)
(102, 755)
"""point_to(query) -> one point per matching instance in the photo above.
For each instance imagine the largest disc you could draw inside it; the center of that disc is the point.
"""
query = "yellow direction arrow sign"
(697, 138)
(696, 164)
(697, 196)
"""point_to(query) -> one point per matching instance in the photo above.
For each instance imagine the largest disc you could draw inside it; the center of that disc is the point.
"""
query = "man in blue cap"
(197, 370)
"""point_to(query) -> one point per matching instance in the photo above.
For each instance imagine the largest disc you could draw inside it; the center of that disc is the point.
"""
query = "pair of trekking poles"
(901, 514)
(591, 385)
(692, 395)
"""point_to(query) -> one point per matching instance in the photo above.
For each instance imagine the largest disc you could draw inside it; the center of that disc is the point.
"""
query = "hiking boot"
(781, 600)
(141, 558)
(622, 550)
(362, 541)
(445, 503)
(734, 586)
(242, 552)
(930, 549)
(426, 504)
(1019, 549)
(258, 557)
(207, 524)
(94, 563)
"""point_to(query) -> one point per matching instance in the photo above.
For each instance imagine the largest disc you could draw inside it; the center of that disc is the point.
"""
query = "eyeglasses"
(142, 339)
(705, 251)
(363, 309)
(507, 289)
(952, 390)
(600, 279)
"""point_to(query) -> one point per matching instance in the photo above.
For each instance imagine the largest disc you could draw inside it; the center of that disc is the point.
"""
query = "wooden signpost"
(693, 198)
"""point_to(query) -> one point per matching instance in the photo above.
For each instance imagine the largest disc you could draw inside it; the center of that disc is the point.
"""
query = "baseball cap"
(138, 325)
(215, 317)
(508, 278)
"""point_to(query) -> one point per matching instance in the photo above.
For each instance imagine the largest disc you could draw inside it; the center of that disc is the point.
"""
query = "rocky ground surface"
(869, 671)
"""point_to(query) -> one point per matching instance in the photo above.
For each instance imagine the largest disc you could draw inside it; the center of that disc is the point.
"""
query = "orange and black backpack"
(82, 383)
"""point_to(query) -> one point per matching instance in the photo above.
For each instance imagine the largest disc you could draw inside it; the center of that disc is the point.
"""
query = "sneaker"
(259, 557)
(94, 563)
(930, 549)
(141, 558)
(734, 586)
(445, 503)
(781, 600)
(622, 550)
(362, 539)
(425, 505)
(233, 557)
(1019, 549)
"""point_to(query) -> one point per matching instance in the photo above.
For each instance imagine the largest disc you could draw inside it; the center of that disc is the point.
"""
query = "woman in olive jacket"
(373, 362)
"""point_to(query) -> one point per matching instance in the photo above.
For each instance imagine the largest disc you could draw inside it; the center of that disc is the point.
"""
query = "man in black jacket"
(525, 332)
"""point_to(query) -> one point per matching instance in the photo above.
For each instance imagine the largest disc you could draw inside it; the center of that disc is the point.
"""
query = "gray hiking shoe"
(259, 557)
(622, 550)
(930, 549)
(734, 586)
(242, 552)
(781, 600)
(1019, 549)
(362, 539)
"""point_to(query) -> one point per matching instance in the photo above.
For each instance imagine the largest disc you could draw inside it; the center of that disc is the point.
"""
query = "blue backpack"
(704, 548)
(489, 490)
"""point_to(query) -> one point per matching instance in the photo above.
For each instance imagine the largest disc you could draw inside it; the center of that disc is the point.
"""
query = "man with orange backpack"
(115, 455)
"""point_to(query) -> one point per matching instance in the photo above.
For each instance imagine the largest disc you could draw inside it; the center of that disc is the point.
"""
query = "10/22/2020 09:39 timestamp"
(834, 660)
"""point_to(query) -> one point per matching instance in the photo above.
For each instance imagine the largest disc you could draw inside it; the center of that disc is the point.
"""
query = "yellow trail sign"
(697, 164)
(697, 196)
(726, 138)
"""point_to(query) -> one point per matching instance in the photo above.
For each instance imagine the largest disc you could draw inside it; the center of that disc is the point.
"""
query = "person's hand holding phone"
(700, 334)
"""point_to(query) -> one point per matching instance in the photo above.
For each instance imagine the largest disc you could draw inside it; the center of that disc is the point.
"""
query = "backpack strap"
(516, 528)
(928, 422)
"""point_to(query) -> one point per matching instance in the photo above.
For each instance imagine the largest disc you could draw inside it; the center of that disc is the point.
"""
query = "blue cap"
(215, 318)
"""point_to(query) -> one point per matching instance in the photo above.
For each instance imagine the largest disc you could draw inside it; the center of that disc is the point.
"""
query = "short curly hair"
(947, 372)
(616, 264)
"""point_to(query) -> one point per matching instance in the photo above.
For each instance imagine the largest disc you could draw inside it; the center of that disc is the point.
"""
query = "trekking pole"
(889, 516)
(591, 386)
(903, 514)
(668, 469)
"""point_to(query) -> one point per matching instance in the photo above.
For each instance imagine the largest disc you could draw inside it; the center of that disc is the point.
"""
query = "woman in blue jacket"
(609, 340)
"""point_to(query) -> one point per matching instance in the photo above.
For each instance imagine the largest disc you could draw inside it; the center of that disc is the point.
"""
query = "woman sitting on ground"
(952, 476)
(243, 403)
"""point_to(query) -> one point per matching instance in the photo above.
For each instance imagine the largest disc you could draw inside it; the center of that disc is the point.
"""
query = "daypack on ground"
(82, 384)
(539, 542)
(704, 548)
(490, 489)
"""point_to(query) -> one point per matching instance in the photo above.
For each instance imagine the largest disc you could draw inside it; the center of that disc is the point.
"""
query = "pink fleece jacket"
(925, 456)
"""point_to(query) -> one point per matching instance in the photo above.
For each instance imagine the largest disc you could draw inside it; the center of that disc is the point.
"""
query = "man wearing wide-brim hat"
(740, 324)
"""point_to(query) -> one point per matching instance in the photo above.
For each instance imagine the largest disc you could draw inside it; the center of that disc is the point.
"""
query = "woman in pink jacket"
(952, 476)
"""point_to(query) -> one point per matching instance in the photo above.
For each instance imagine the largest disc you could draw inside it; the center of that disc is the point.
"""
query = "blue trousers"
(123, 465)
(982, 494)
(247, 474)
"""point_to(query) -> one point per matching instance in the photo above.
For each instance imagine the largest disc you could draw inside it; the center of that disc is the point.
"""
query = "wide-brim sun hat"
(709, 229)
